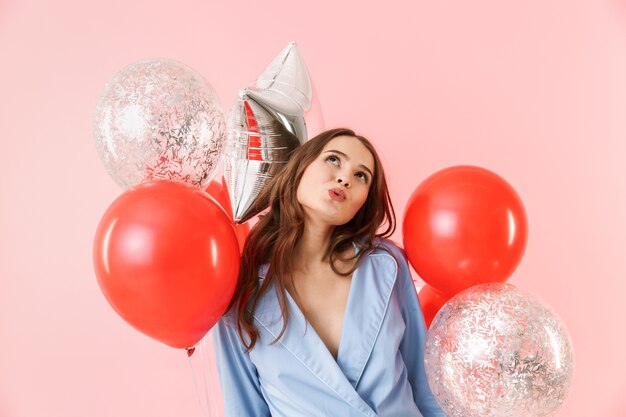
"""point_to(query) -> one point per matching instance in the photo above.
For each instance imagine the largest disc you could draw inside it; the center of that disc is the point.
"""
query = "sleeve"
(237, 374)
(414, 341)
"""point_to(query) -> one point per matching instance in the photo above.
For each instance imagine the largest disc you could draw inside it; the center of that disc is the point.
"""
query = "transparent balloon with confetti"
(494, 351)
(159, 120)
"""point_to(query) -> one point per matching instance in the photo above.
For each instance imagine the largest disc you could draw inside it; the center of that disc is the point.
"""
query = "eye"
(362, 175)
(334, 159)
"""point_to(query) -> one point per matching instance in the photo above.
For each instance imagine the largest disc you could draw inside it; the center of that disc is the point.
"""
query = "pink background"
(533, 90)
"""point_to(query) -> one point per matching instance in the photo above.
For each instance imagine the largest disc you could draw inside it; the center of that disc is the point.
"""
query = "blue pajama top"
(379, 369)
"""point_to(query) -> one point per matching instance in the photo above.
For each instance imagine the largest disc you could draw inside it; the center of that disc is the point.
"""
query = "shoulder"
(395, 256)
(388, 246)
(229, 319)
(383, 251)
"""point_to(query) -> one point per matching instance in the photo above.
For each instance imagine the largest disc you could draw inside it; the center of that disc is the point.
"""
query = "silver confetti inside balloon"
(493, 351)
(266, 123)
(159, 119)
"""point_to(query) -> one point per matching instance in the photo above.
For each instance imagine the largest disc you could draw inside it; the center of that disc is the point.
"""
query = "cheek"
(362, 198)
(305, 187)
(312, 177)
(300, 192)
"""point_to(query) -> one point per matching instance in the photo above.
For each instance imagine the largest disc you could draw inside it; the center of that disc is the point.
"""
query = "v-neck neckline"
(344, 319)
(364, 315)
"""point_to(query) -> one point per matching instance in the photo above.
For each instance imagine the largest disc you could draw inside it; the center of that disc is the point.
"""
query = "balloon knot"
(190, 351)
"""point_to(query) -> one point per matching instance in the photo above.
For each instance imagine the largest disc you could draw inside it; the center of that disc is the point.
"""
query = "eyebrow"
(348, 158)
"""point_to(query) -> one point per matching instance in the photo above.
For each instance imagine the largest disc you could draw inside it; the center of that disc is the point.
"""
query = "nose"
(343, 182)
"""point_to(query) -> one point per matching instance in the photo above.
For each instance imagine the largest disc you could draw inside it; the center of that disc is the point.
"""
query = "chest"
(322, 299)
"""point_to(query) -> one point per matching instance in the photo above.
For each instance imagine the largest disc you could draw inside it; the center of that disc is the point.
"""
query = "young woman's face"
(335, 185)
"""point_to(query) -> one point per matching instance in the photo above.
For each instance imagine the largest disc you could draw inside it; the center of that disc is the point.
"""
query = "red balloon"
(463, 226)
(219, 192)
(431, 302)
(167, 260)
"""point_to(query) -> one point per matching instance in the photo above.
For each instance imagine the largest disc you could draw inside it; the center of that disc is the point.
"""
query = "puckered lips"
(337, 194)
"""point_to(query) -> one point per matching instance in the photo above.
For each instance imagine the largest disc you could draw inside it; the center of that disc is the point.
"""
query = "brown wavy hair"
(273, 239)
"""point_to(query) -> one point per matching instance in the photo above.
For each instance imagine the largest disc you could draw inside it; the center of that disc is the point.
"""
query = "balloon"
(431, 302)
(493, 351)
(314, 117)
(266, 124)
(159, 119)
(167, 260)
(219, 192)
(463, 226)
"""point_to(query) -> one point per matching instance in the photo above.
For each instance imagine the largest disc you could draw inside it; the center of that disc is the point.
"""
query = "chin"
(327, 212)
(339, 221)
(330, 218)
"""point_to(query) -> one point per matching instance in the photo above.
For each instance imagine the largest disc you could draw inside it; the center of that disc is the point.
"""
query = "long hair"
(273, 239)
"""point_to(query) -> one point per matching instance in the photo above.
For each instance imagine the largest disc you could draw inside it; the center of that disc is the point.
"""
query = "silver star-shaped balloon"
(266, 124)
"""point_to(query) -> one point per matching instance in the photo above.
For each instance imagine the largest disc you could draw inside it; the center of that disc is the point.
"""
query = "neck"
(312, 245)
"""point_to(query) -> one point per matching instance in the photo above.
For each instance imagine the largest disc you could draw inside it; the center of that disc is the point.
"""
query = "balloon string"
(202, 372)
(210, 372)
(195, 382)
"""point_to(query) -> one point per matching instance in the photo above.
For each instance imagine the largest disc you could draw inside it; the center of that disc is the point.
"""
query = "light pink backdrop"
(533, 90)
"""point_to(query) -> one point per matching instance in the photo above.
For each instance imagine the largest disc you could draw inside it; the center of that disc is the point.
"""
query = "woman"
(325, 320)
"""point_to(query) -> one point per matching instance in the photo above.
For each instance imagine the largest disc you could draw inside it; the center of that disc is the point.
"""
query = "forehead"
(351, 146)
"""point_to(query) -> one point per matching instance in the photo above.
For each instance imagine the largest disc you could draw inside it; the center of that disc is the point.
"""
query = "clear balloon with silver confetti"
(159, 120)
(494, 351)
